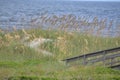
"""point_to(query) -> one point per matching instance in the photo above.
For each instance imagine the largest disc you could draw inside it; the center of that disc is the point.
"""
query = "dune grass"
(20, 62)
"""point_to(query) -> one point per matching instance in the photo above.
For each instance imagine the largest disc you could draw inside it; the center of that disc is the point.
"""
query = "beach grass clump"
(17, 59)
(36, 54)
(86, 25)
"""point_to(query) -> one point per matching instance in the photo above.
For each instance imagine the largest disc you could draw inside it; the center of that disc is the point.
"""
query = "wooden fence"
(109, 58)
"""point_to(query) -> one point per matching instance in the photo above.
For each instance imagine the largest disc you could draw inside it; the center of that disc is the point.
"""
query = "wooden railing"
(109, 57)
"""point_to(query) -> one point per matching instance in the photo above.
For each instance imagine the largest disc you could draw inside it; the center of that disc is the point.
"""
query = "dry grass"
(70, 36)
(78, 24)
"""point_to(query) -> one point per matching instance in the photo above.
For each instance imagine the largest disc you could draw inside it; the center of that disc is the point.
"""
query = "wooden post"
(85, 60)
(111, 64)
(104, 58)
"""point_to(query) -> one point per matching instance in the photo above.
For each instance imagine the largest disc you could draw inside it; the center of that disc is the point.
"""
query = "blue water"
(19, 12)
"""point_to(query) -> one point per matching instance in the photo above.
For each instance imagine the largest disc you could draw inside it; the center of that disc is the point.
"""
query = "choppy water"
(20, 12)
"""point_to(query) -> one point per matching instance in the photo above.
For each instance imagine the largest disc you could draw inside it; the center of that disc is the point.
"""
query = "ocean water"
(20, 12)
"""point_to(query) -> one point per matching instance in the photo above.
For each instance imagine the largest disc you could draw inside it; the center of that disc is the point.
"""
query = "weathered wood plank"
(92, 54)
(115, 66)
(103, 58)
(113, 63)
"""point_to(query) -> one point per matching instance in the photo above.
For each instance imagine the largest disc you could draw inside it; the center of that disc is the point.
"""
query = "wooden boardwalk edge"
(106, 55)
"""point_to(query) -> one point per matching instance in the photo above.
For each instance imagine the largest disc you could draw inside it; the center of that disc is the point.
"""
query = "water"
(20, 12)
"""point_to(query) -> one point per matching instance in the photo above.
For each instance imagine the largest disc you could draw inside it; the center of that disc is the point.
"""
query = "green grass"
(20, 62)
